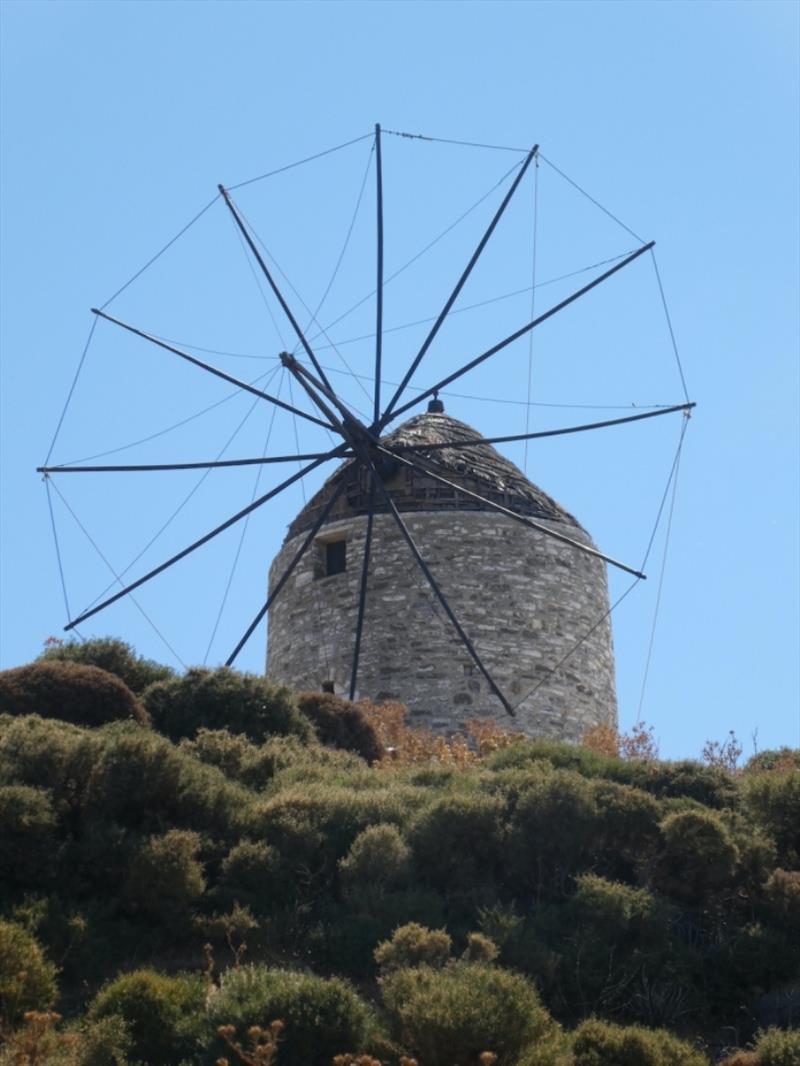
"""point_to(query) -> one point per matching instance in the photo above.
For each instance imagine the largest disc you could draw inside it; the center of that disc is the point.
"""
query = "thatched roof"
(478, 467)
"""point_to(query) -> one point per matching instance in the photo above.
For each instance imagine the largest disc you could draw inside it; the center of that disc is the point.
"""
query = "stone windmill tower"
(524, 599)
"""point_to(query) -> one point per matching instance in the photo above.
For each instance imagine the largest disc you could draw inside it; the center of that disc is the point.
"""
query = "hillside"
(185, 858)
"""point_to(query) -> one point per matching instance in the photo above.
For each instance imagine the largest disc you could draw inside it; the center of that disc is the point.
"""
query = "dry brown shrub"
(263, 1048)
(38, 1042)
(740, 1058)
(639, 745)
(405, 745)
(724, 755)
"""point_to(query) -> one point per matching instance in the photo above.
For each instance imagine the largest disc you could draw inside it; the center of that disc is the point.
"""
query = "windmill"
(374, 458)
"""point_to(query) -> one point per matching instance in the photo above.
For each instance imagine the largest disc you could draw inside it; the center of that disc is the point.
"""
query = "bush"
(414, 945)
(322, 1018)
(697, 857)
(163, 1015)
(782, 893)
(778, 1047)
(223, 699)
(379, 861)
(27, 979)
(454, 1015)
(165, 877)
(458, 841)
(773, 800)
(105, 1043)
(597, 1043)
(83, 695)
(27, 825)
(251, 875)
(34, 750)
(341, 724)
(112, 655)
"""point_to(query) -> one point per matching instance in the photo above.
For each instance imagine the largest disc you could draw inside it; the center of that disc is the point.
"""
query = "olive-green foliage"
(782, 895)
(322, 1018)
(378, 861)
(457, 842)
(165, 877)
(627, 828)
(773, 800)
(164, 1015)
(553, 833)
(608, 938)
(698, 856)
(35, 750)
(597, 1043)
(84, 695)
(772, 759)
(480, 948)
(449, 1017)
(342, 724)
(106, 1042)
(27, 828)
(251, 875)
(112, 655)
(414, 945)
(223, 699)
(778, 1047)
(27, 978)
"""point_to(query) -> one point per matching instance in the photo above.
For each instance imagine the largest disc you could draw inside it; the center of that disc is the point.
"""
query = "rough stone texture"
(524, 599)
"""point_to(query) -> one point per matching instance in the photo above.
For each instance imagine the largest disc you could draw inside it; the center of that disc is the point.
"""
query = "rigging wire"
(447, 140)
(258, 283)
(533, 307)
(290, 166)
(589, 197)
(245, 524)
(158, 255)
(186, 499)
(669, 325)
(648, 659)
(46, 480)
(71, 390)
(118, 580)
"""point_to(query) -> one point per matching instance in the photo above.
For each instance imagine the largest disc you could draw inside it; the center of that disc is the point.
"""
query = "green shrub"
(35, 750)
(27, 826)
(480, 949)
(773, 800)
(628, 828)
(553, 833)
(341, 724)
(597, 1043)
(322, 1018)
(778, 1047)
(165, 877)
(781, 759)
(697, 857)
(223, 699)
(27, 979)
(112, 655)
(251, 875)
(164, 1015)
(106, 1042)
(458, 842)
(710, 785)
(451, 1016)
(782, 894)
(379, 861)
(83, 695)
(414, 945)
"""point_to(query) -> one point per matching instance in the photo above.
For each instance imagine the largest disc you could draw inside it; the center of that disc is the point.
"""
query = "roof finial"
(435, 406)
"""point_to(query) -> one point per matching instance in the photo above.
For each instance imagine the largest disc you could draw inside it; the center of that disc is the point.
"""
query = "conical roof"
(478, 467)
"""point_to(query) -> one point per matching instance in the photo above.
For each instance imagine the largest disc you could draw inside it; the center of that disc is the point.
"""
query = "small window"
(335, 557)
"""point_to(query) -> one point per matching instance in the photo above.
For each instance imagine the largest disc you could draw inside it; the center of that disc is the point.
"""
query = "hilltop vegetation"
(186, 860)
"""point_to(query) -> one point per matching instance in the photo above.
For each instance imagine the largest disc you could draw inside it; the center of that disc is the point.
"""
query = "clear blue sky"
(681, 118)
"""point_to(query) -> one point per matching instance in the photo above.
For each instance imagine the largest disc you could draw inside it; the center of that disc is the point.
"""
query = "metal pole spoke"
(211, 369)
(212, 465)
(379, 287)
(209, 536)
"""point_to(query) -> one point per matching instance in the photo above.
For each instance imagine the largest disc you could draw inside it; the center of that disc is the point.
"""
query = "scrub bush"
(27, 834)
(773, 801)
(112, 655)
(453, 1015)
(223, 699)
(414, 945)
(697, 857)
(83, 695)
(321, 1018)
(165, 878)
(458, 842)
(164, 1015)
(27, 979)
(597, 1043)
(341, 724)
(379, 861)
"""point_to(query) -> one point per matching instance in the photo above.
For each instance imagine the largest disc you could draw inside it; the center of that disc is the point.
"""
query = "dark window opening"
(335, 557)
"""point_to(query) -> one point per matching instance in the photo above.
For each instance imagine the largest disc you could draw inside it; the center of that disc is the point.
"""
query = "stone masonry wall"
(523, 598)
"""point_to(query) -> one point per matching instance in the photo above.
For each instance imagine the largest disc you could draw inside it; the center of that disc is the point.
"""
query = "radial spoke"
(334, 453)
(211, 369)
(265, 269)
(423, 468)
(287, 572)
(460, 284)
(514, 336)
(437, 590)
(211, 465)
(379, 286)
(438, 445)
(362, 593)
